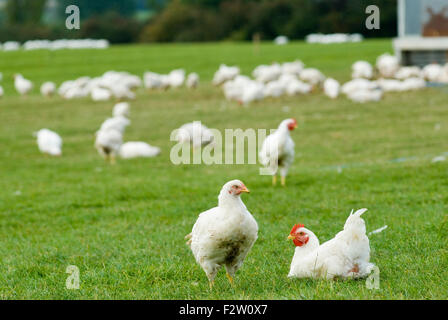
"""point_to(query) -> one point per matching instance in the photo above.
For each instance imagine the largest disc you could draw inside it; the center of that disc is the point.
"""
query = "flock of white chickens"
(293, 78)
(224, 235)
(55, 44)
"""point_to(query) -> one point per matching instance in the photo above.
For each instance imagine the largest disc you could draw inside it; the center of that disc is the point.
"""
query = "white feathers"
(121, 109)
(362, 69)
(100, 94)
(22, 85)
(387, 65)
(312, 75)
(47, 89)
(225, 73)
(49, 142)
(108, 142)
(347, 255)
(332, 88)
(378, 230)
(224, 234)
(277, 151)
(112, 84)
(116, 123)
(136, 149)
(194, 133)
(192, 80)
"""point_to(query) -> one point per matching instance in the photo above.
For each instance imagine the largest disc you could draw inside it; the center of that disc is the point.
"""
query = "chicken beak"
(245, 190)
(290, 237)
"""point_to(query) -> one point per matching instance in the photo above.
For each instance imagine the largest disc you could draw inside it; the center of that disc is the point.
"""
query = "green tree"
(24, 11)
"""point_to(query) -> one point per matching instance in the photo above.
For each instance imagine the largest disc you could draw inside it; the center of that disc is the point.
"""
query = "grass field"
(124, 225)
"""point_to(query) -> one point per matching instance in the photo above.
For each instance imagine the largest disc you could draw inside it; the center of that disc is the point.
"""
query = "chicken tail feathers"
(378, 230)
(355, 223)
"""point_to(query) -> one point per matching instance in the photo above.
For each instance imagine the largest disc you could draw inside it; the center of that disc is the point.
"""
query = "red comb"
(297, 226)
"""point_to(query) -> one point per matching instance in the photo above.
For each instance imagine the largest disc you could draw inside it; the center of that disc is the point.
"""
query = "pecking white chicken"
(224, 235)
(108, 143)
(277, 152)
(49, 142)
(347, 255)
(137, 149)
(22, 85)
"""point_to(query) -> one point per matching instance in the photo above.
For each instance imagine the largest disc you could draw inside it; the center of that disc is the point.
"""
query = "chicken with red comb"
(277, 152)
(347, 255)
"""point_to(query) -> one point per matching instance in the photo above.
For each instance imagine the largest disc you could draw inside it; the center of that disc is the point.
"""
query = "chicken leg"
(230, 279)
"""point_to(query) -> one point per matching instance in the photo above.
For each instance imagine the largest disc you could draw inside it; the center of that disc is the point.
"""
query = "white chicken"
(387, 65)
(332, 88)
(176, 78)
(277, 151)
(194, 133)
(192, 80)
(312, 76)
(362, 69)
(224, 234)
(121, 109)
(116, 123)
(108, 143)
(22, 85)
(100, 94)
(225, 73)
(49, 142)
(365, 95)
(47, 89)
(137, 149)
(345, 256)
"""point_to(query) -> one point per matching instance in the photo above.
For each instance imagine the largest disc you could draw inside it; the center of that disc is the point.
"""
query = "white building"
(422, 32)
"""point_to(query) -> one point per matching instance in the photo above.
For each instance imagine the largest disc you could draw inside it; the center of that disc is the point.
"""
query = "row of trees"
(195, 20)
(204, 20)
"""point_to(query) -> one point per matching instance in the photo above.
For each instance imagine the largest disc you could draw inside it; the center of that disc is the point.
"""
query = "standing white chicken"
(194, 133)
(22, 85)
(108, 143)
(47, 89)
(49, 142)
(347, 255)
(332, 88)
(225, 234)
(277, 151)
(192, 80)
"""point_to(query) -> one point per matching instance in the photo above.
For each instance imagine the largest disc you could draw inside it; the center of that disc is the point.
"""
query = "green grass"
(123, 225)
